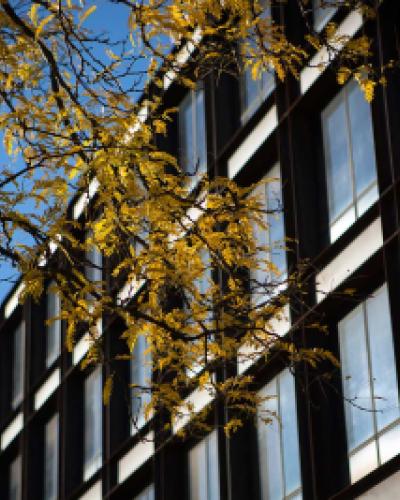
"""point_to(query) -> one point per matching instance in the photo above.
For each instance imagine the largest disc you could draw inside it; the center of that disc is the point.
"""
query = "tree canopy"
(82, 116)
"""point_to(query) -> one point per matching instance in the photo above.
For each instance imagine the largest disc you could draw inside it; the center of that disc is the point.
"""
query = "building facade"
(336, 164)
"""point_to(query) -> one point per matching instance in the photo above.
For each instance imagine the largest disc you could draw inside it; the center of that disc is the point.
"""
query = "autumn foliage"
(197, 283)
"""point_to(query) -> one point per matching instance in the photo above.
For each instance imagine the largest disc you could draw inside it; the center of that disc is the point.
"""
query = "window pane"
(340, 190)
(362, 139)
(269, 446)
(51, 460)
(16, 479)
(18, 364)
(254, 92)
(213, 466)
(186, 134)
(198, 472)
(367, 199)
(141, 373)
(262, 241)
(95, 262)
(276, 222)
(273, 239)
(386, 394)
(93, 422)
(355, 378)
(250, 90)
(203, 469)
(267, 83)
(201, 153)
(146, 494)
(290, 441)
(322, 12)
(54, 328)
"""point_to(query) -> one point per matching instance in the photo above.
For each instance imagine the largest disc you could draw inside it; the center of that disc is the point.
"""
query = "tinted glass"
(322, 12)
(290, 440)
(362, 139)
(15, 488)
(386, 394)
(269, 446)
(93, 421)
(213, 466)
(18, 364)
(355, 377)
(51, 460)
(201, 150)
(141, 376)
(198, 472)
(339, 179)
(276, 223)
(250, 90)
(147, 494)
(54, 328)
(186, 134)
(94, 266)
(204, 469)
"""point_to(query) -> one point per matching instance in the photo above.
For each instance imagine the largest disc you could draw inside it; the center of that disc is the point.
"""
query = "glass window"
(322, 12)
(192, 133)
(254, 92)
(204, 469)
(16, 479)
(94, 273)
(18, 365)
(141, 373)
(204, 312)
(93, 427)
(370, 387)
(94, 265)
(278, 443)
(350, 158)
(51, 459)
(271, 240)
(202, 285)
(146, 494)
(54, 327)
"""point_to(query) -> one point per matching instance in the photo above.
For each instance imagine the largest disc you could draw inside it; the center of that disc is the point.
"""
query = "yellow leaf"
(111, 55)
(368, 88)
(76, 169)
(255, 70)
(343, 75)
(8, 143)
(160, 127)
(33, 13)
(107, 390)
(87, 14)
(73, 173)
(42, 24)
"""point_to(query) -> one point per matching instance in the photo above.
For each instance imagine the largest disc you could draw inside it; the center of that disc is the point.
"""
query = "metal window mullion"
(371, 381)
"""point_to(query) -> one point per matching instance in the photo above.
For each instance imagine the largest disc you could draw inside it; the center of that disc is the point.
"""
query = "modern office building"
(338, 159)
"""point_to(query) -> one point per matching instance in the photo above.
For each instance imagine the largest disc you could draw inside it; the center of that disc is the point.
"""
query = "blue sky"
(111, 19)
